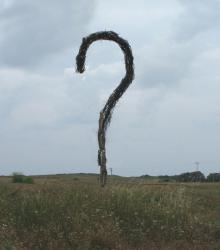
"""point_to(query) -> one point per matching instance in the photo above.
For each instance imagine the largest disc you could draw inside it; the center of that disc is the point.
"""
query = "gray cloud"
(168, 60)
(197, 18)
(169, 117)
(44, 120)
(164, 64)
(31, 31)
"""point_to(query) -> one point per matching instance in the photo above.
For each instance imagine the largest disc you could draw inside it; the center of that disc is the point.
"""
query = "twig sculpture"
(106, 112)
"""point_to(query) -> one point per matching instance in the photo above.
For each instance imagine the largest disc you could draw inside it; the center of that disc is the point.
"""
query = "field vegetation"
(74, 212)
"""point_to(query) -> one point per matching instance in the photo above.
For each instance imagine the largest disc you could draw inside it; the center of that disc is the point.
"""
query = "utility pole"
(197, 165)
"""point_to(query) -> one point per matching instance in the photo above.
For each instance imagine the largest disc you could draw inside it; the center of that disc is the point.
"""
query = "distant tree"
(165, 178)
(213, 177)
(196, 176)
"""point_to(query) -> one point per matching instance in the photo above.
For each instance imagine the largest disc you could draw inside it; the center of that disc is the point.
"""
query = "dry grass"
(73, 212)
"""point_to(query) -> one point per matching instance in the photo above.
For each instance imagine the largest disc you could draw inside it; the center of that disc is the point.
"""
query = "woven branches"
(106, 112)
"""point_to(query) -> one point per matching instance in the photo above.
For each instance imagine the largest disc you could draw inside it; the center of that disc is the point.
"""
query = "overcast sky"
(168, 119)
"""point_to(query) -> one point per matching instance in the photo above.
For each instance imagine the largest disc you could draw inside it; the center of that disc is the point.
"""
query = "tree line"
(196, 176)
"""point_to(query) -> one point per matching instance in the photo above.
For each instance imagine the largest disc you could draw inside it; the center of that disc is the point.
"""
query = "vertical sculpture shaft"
(106, 112)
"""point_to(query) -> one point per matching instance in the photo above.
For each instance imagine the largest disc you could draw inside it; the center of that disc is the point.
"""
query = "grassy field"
(73, 212)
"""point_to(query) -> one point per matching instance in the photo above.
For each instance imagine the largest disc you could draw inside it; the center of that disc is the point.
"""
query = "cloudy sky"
(167, 120)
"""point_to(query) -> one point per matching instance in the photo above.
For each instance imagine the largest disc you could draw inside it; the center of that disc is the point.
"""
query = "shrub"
(21, 178)
(28, 180)
(17, 177)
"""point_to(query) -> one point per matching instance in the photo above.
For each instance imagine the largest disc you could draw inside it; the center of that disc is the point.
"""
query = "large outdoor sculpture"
(106, 112)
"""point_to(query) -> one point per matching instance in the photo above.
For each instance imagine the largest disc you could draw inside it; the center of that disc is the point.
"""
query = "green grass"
(73, 212)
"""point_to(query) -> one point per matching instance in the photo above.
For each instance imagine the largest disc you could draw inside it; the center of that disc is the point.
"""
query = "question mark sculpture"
(106, 112)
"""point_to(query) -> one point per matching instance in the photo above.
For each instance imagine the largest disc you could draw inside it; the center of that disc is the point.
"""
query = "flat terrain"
(73, 212)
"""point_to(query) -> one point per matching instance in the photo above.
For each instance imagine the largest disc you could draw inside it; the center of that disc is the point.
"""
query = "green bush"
(17, 177)
(28, 180)
(21, 178)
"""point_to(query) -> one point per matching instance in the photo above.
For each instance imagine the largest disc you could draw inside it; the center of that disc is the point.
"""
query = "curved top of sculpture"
(129, 66)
